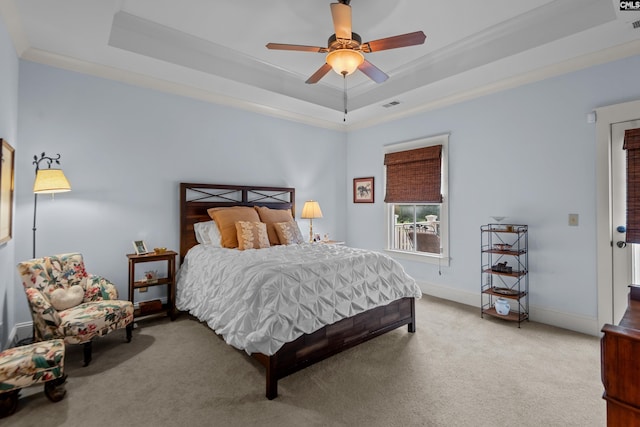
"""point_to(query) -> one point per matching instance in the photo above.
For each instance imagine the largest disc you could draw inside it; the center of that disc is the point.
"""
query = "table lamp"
(311, 210)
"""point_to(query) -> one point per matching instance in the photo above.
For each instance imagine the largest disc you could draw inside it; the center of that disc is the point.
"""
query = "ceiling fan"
(345, 48)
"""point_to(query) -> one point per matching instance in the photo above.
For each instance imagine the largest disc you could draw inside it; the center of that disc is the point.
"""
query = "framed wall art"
(363, 190)
(6, 190)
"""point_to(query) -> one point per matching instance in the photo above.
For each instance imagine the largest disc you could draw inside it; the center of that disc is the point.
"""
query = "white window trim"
(443, 258)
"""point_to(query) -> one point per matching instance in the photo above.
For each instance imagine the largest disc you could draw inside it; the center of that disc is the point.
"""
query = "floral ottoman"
(41, 362)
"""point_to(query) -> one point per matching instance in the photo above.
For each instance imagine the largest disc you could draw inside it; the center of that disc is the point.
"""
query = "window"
(416, 228)
(416, 198)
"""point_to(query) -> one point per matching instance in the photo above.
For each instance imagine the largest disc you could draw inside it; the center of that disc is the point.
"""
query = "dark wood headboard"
(195, 199)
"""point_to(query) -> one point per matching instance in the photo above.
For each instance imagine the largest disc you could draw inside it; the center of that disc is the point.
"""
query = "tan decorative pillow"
(289, 233)
(252, 235)
(62, 299)
(272, 216)
(226, 219)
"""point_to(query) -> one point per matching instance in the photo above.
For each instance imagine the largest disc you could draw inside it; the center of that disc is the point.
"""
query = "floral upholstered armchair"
(70, 304)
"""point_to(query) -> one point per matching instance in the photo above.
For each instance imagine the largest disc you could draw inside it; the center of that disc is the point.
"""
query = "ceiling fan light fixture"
(345, 61)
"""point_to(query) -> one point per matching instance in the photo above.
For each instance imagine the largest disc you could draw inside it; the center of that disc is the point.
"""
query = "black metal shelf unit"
(505, 270)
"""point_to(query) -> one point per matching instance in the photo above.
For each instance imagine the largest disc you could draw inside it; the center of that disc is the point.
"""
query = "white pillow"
(207, 233)
(61, 298)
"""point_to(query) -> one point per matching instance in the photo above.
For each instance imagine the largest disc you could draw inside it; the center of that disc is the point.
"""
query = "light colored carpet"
(456, 370)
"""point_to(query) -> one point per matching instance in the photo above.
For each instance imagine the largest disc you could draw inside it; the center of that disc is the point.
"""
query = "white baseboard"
(571, 321)
(19, 332)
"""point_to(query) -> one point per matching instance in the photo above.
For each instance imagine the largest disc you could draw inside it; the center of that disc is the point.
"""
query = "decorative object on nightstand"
(311, 210)
(505, 287)
(48, 181)
(140, 247)
(151, 279)
(151, 276)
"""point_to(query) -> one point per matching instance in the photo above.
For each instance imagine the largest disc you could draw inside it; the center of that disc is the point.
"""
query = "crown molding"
(145, 81)
(575, 64)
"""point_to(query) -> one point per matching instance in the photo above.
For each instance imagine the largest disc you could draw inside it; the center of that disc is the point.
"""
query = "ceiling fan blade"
(341, 14)
(373, 72)
(298, 47)
(315, 78)
(409, 39)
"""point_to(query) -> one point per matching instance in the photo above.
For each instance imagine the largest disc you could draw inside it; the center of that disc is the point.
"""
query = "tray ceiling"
(215, 50)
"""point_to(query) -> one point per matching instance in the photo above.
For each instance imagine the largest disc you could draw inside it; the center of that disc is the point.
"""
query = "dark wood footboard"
(335, 338)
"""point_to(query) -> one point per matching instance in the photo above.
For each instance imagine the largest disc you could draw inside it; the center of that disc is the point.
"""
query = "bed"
(310, 340)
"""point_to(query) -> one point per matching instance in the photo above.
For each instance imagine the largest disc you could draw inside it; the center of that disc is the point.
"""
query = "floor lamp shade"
(50, 181)
(311, 210)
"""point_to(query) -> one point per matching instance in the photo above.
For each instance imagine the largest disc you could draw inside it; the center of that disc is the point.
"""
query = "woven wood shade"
(632, 145)
(413, 176)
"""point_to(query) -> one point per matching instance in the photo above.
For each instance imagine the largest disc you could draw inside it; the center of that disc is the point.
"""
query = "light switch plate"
(573, 220)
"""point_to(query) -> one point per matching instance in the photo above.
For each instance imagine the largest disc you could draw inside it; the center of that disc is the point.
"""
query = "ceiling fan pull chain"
(344, 79)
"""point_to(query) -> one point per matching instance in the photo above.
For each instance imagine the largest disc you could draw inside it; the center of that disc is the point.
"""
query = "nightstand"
(170, 281)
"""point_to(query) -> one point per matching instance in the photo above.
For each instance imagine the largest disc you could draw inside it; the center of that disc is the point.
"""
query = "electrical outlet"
(573, 220)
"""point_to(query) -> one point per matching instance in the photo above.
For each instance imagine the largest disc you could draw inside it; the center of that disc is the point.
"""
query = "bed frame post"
(272, 377)
(411, 327)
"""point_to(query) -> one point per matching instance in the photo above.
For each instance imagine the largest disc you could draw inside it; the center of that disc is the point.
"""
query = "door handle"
(621, 244)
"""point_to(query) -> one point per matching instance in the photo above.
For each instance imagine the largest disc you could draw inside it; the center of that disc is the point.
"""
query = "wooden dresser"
(620, 359)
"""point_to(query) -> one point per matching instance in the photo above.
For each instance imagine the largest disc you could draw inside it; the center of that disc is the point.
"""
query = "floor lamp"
(311, 210)
(47, 181)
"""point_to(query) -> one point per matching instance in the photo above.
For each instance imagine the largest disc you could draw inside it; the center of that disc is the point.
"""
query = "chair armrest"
(98, 288)
(45, 318)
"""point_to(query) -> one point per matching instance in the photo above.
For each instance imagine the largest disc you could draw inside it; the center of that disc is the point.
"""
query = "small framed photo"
(363, 190)
(140, 247)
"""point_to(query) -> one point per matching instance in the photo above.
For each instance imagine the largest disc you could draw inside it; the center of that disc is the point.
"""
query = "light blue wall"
(8, 131)
(527, 153)
(126, 149)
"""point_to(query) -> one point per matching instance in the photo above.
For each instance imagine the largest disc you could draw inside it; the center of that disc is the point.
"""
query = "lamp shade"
(344, 61)
(51, 181)
(311, 210)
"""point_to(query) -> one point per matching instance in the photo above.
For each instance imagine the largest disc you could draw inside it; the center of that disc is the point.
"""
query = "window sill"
(413, 256)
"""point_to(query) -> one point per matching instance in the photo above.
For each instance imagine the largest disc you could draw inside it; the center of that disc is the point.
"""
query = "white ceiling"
(215, 50)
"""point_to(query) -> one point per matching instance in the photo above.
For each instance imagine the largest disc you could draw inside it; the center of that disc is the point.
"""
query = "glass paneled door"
(626, 269)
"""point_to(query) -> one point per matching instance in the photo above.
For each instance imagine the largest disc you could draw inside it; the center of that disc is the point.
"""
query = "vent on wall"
(391, 104)
(636, 24)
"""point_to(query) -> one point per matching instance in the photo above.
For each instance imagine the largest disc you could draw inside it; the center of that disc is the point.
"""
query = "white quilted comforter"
(260, 299)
